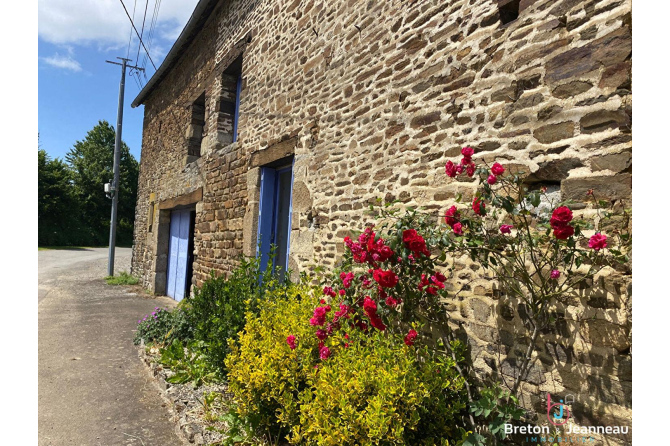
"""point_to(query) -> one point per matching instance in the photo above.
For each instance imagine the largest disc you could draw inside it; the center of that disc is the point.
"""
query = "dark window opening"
(509, 10)
(198, 127)
(229, 103)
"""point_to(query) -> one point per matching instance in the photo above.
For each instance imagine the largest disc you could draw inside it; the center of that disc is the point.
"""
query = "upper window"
(229, 103)
(198, 128)
(274, 225)
(509, 10)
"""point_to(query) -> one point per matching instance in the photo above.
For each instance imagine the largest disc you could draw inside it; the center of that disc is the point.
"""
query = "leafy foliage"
(56, 204)
(218, 308)
(375, 390)
(72, 206)
(189, 364)
(91, 162)
(163, 327)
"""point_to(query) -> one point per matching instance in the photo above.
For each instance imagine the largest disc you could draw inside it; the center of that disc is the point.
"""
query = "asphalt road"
(93, 388)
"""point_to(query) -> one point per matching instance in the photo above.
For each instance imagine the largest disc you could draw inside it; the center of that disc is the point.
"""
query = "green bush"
(375, 391)
(217, 309)
(163, 327)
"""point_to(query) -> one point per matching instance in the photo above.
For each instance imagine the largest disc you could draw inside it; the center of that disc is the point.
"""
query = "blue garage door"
(180, 222)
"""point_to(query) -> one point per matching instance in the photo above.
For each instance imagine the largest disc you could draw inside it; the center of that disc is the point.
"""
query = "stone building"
(287, 118)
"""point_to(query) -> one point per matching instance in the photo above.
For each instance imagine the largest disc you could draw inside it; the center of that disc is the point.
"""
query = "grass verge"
(122, 279)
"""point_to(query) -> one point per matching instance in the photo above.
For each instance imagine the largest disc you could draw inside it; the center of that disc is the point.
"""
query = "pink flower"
(467, 152)
(491, 179)
(450, 169)
(321, 334)
(324, 353)
(319, 317)
(411, 336)
(328, 291)
(470, 169)
(555, 274)
(451, 216)
(346, 279)
(598, 241)
(342, 292)
(458, 229)
(290, 340)
(497, 169)
(506, 229)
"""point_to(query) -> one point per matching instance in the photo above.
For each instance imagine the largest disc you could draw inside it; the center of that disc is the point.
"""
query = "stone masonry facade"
(371, 98)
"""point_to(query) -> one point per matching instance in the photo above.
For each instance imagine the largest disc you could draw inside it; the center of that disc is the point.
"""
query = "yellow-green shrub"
(265, 375)
(377, 391)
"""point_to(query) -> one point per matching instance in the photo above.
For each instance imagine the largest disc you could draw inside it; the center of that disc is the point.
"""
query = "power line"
(146, 5)
(138, 35)
(152, 29)
(130, 37)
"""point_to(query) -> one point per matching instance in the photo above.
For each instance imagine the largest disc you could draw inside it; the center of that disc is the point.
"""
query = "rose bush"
(327, 369)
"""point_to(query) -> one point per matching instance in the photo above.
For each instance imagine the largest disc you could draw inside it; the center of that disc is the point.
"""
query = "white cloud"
(65, 62)
(105, 23)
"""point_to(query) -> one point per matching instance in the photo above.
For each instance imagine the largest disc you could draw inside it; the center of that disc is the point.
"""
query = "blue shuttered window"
(274, 218)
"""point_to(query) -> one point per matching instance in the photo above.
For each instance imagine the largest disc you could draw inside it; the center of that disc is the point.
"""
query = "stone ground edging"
(184, 402)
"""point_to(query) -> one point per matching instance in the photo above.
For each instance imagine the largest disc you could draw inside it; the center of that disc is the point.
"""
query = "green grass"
(122, 279)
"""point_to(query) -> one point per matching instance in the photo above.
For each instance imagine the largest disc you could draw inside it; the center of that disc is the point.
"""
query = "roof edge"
(202, 9)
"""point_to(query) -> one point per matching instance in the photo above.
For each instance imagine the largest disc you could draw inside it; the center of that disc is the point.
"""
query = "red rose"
(415, 242)
(560, 217)
(491, 179)
(290, 340)
(467, 152)
(385, 253)
(451, 216)
(392, 302)
(458, 229)
(478, 206)
(470, 169)
(563, 232)
(411, 336)
(387, 279)
(497, 169)
(324, 353)
(506, 229)
(598, 241)
(377, 322)
(450, 169)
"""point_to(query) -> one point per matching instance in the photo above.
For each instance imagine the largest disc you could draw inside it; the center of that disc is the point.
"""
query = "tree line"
(73, 208)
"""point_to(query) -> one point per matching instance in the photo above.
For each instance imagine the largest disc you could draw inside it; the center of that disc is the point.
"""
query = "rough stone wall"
(373, 98)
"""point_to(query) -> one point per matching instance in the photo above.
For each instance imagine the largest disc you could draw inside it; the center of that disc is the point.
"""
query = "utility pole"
(117, 161)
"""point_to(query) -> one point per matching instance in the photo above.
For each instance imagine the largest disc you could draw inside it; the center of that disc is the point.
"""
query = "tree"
(91, 164)
(56, 214)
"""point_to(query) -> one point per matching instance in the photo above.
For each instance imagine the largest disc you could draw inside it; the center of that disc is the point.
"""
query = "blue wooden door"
(178, 254)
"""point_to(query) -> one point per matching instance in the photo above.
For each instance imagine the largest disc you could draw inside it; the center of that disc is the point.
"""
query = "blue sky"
(76, 87)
